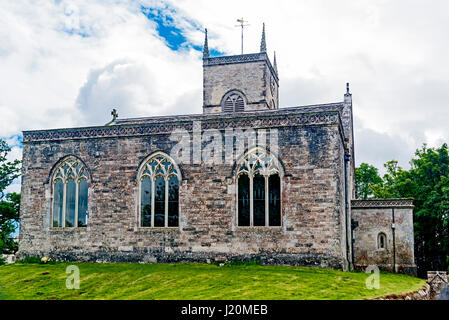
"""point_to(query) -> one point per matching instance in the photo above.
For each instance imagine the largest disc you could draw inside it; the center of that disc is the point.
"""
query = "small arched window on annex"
(233, 101)
(259, 190)
(159, 180)
(381, 241)
(70, 184)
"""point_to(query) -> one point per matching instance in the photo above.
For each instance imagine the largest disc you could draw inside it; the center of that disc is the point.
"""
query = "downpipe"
(348, 225)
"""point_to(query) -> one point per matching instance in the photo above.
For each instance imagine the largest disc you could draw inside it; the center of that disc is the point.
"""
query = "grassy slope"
(193, 281)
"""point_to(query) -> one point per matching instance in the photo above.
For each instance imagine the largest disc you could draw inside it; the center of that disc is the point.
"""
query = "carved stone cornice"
(166, 125)
(382, 203)
(241, 58)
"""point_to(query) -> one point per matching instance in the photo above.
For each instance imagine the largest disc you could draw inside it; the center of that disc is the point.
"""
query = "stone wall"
(9, 258)
(310, 150)
(375, 217)
(251, 74)
(436, 281)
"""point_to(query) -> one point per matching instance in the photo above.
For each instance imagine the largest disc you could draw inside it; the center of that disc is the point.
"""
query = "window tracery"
(159, 192)
(70, 194)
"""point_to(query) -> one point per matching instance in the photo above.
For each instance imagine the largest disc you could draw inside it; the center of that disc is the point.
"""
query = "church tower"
(239, 83)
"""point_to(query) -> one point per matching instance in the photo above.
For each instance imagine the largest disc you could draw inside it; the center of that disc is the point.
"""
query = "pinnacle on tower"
(275, 65)
(206, 47)
(263, 44)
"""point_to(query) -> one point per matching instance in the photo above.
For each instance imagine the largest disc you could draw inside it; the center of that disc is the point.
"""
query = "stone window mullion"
(237, 198)
(52, 203)
(64, 200)
(139, 203)
(76, 203)
(251, 205)
(166, 203)
(267, 206)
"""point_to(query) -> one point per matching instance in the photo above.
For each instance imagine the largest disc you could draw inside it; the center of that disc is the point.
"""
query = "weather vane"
(242, 25)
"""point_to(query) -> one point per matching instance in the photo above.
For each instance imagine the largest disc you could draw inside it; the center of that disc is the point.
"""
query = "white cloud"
(57, 55)
(67, 63)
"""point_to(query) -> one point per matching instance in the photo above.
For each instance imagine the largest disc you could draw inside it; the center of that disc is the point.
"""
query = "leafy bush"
(237, 263)
(28, 260)
(245, 263)
(2, 260)
(37, 260)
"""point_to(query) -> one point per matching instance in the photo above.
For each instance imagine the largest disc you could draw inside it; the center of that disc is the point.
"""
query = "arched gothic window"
(258, 190)
(159, 192)
(381, 241)
(233, 101)
(70, 193)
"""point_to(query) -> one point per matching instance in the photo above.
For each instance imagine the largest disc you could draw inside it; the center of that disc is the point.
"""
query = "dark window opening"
(243, 199)
(259, 199)
(274, 184)
(173, 202)
(159, 202)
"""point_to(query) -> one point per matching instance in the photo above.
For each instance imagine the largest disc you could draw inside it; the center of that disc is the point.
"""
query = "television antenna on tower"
(242, 25)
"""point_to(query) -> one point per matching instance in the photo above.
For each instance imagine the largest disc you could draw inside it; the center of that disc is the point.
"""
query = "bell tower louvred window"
(233, 102)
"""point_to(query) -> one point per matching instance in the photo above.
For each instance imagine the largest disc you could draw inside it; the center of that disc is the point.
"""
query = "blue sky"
(167, 29)
(173, 35)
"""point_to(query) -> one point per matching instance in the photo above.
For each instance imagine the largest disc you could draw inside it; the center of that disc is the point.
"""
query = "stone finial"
(206, 46)
(347, 89)
(275, 65)
(348, 95)
(263, 44)
(114, 114)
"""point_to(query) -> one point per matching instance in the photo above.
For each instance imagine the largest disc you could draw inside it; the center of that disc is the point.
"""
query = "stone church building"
(247, 179)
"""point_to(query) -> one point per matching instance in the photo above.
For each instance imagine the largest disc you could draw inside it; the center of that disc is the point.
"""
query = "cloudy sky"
(68, 63)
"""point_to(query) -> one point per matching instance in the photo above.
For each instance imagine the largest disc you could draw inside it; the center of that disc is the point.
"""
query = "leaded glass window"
(70, 193)
(82, 203)
(58, 202)
(274, 183)
(159, 192)
(145, 187)
(258, 190)
(243, 199)
(173, 202)
(259, 199)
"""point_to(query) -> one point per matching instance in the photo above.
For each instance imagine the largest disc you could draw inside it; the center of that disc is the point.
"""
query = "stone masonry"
(315, 150)
(251, 74)
(311, 150)
(394, 219)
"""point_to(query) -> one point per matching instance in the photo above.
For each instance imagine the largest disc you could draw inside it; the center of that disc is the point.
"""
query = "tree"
(9, 203)
(365, 177)
(430, 176)
(396, 183)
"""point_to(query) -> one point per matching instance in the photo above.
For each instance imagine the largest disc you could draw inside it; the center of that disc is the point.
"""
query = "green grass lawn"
(194, 281)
